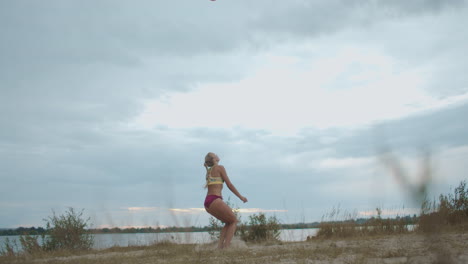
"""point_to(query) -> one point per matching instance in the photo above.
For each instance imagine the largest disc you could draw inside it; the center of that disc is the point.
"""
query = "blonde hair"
(209, 159)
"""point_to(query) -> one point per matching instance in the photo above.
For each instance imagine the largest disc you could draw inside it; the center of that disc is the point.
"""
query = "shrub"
(67, 232)
(64, 232)
(30, 244)
(260, 228)
(338, 224)
(455, 206)
(452, 210)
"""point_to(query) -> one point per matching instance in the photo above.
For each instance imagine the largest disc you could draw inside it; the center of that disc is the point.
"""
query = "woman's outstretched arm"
(230, 185)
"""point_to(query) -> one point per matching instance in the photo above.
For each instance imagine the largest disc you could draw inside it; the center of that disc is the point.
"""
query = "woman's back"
(214, 181)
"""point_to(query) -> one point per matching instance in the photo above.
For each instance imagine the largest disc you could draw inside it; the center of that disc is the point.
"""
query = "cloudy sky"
(111, 106)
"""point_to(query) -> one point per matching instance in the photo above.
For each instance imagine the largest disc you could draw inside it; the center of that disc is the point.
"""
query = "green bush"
(260, 228)
(67, 232)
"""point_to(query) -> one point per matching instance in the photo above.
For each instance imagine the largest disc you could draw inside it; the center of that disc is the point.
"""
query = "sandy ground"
(409, 248)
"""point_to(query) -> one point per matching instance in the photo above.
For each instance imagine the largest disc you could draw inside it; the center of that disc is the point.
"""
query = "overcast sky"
(111, 106)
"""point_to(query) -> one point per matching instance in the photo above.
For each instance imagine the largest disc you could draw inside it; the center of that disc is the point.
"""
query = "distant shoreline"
(410, 220)
(29, 231)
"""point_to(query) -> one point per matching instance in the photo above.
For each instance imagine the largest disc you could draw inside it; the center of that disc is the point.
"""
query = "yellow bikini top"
(212, 180)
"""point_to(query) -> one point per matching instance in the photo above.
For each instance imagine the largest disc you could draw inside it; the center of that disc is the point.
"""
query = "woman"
(215, 177)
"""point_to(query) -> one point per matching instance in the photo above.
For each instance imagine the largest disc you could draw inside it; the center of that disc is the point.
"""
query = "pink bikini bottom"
(209, 199)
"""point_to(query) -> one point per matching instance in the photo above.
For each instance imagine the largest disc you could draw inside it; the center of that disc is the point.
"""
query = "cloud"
(258, 210)
(240, 210)
(390, 212)
(313, 19)
(114, 104)
(142, 209)
(355, 87)
(132, 226)
(187, 210)
(71, 71)
(333, 163)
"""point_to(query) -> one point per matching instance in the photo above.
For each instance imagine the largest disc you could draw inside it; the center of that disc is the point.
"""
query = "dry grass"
(340, 224)
(407, 248)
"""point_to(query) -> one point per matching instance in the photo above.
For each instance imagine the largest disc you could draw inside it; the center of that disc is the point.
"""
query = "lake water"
(102, 241)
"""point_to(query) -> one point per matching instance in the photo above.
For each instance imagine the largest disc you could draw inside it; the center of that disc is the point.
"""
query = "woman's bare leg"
(223, 212)
(222, 237)
(230, 231)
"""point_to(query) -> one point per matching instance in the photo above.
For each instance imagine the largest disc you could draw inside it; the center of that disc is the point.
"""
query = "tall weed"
(345, 224)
